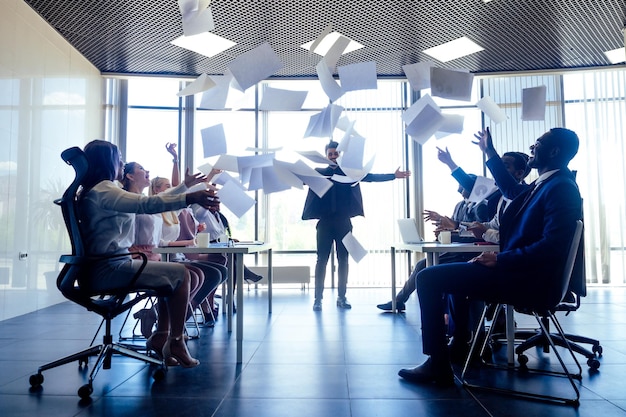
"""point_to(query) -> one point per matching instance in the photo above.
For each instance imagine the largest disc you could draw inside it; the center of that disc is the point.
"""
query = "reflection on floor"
(296, 363)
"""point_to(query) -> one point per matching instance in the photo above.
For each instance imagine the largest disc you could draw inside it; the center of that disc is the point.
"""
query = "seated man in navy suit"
(535, 232)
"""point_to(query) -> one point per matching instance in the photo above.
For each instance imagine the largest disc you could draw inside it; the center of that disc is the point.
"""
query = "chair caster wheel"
(522, 360)
(83, 361)
(594, 364)
(597, 350)
(36, 380)
(159, 374)
(85, 391)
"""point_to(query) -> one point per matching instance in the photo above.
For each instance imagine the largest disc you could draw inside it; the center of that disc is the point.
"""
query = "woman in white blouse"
(108, 222)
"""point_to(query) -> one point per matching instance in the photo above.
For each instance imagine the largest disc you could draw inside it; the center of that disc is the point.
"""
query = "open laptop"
(408, 231)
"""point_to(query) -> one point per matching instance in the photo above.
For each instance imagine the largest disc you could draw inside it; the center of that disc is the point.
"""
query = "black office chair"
(543, 314)
(577, 289)
(108, 305)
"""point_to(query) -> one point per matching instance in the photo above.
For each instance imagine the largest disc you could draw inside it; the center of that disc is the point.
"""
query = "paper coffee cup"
(203, 240)
(445, 236)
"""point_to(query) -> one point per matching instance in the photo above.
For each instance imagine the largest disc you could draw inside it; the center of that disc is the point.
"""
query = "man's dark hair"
(567, 141)
(331, 145)
(520, 161)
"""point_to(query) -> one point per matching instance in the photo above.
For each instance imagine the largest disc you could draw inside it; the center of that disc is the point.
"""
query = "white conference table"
(432, 251)
(235, 254)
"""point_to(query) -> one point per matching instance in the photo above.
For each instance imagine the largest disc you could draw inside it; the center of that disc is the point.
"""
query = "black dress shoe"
(387, 306)
(429, 373)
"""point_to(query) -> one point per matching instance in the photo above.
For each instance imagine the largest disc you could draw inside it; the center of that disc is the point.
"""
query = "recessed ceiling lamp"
(205, 43)
(453, 49)
(616, 55)
(329, 41)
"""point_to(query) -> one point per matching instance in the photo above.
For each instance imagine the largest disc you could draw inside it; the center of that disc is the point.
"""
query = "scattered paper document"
(418, 74)
(352, 157)
(356, 251)
(483, 188)
(318, 184)
(215, 98)
(200, 84)
(452, 123)
(227, 163)
(334, 53)
(225, 177)
(320, 38)
(359, 76)
(315, 156)
(213, 140)
(423, 119)
(255, 66)
(196, 16)
(451, 84)
(491, 109)
(285, 173)
(323, 124)
(272, 183)
(329, 85)
(534, 103)
(282, 100)
(235, 199)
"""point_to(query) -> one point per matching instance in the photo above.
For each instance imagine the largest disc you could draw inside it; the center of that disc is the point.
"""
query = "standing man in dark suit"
(334, 211)
(535, 233)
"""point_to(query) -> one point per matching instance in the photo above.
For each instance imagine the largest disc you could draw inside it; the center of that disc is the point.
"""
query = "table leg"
(393, 279)
(239, 267)
(229, 298)
(270, 278)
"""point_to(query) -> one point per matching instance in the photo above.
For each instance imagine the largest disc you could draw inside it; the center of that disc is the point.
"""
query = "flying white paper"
(356, 251)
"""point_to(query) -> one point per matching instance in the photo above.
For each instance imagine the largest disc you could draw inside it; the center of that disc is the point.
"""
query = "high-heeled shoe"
(148, 317)
(154, 344)
(183, 357)
(252, 277)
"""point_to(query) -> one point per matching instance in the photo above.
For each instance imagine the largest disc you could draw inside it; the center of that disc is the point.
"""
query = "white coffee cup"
(203, 240)
(445, 236)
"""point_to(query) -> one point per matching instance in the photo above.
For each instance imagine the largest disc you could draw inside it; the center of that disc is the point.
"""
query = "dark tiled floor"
(296, 363)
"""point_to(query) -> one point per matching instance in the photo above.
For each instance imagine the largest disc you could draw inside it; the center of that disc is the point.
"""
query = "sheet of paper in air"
(328, 29)
(452, 123)
(282, 100)
(534, 103)
(347, 126)
(227, 163)
(318, 184)
(352, 156)
(225, 177)
(255, 65)
(246, 163)
(353, 246)
(213, 140)
(200, 84)
(252, 149)
(483, 187)
(235, 199)
(334, 53)
(323, 123)
(204, 43)
(215, 97)
(359, 76)
(315, 156)
(206, 168)
(418, 74)
(285, 173)
(196, 16)
(451, 84)
(256, 179)
(491, 109)
(355, 175)
(329, 85)
(423, 119)
(272, 182)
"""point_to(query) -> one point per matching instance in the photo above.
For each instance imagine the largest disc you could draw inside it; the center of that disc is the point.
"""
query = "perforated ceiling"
(133, 36)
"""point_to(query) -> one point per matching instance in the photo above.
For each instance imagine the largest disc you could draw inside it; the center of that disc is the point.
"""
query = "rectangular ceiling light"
(329, 41)
(453, 49)
(616, 55)
(205, 43)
